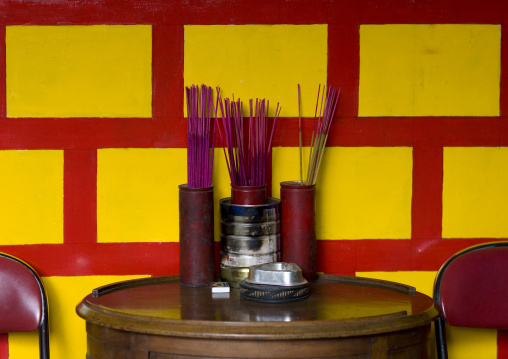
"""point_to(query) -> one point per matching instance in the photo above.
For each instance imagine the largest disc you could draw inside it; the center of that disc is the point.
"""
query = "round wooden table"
(344, 317)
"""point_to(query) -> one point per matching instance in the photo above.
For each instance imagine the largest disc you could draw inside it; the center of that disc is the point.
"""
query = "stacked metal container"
(250, 235)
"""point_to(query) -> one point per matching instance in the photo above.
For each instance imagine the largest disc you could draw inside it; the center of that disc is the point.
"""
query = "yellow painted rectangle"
(429, 70)
(79, 71)
(137, 194)
(31, 189)
(259, 61)
(361, 192)
(475, 195)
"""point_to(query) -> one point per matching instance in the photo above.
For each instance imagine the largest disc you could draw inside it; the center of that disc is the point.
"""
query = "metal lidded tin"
(250, 235)
(250, 229)
(247, 260)
(257, 245)
(250, 213)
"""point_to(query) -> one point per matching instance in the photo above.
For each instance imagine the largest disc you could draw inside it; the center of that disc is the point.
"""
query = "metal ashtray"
(278, 273)
(277, 282)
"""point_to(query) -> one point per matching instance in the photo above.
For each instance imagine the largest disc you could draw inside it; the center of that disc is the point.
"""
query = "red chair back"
(23, 301)
(471, 289)
(474, 289)
(20, 298)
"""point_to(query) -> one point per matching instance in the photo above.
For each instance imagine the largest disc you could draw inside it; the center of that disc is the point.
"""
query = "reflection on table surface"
(329, 300)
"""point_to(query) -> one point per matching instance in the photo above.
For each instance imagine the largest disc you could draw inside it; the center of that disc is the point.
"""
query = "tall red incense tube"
(298, 222)
(196, 236)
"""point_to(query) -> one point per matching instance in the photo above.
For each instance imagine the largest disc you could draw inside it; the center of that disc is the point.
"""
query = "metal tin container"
(251, 245)
(250, 235)
(250, 229)
(270, 211)
(247, 260)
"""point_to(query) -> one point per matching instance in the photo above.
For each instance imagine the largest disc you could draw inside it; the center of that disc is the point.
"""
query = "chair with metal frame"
(471, 288)
(23, 301)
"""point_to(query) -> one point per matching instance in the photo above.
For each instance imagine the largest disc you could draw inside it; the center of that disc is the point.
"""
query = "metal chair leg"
(440, 327)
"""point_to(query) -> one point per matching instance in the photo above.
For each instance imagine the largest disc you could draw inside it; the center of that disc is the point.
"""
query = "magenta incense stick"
(200, 136)
(246, 148)
(321, 128)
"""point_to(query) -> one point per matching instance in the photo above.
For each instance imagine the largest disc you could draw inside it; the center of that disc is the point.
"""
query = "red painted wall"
(80, 138)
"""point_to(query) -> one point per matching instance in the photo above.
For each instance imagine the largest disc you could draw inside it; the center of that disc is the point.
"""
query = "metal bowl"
(277, 273)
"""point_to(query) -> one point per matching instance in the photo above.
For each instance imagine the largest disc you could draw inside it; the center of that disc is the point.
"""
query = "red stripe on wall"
(92, 133)
(80, 193)
(460, 12)
(432, 12)
(426, 201)
(401, 131)
(336, 257)
(349, 256)
(344, 66)
(52, 12)
(4, 346)
(167, 75)
(396, 131)
(458, 131)
(383, 255)
(429, 254)
(502, 344)
(503, 132)
(333, 256)
(99, 258)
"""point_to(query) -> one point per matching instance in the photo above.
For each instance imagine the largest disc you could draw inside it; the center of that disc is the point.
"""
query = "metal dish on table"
(277, 273)
(276, 282)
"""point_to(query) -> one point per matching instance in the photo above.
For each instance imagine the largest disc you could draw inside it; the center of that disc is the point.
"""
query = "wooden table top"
(338, 306)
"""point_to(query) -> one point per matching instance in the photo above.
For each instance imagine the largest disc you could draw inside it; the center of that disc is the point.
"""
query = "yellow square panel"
(463, 343)
(137, 194)
(259, 61)
(67, 337)
(79, 71)
(471, 343)
(361, 192)
(475, 195)
(31, 188)
(429, 70)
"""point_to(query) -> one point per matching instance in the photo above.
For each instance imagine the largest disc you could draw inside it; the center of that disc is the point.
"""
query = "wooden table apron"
(344, 317)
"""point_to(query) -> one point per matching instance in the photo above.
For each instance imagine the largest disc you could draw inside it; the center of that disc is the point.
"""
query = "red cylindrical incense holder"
(196, 236)
(248, 195)
(298, 222)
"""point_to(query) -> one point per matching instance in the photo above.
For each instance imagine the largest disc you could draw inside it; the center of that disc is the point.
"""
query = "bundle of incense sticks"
(200, 136)
(322, 124)
(247, 157)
